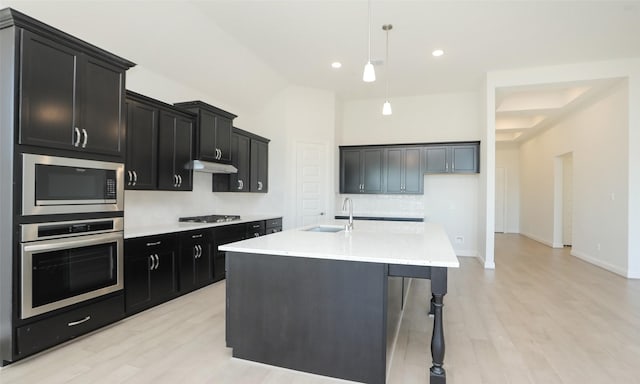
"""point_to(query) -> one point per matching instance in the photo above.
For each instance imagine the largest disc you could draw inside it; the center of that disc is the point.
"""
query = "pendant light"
(369, 74)
(386, 107)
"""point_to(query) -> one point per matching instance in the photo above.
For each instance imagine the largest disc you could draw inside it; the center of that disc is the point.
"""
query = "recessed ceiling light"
(437, 53)
(336, 64)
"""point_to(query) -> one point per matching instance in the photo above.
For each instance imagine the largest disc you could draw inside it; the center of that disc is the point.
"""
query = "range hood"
(210, 167)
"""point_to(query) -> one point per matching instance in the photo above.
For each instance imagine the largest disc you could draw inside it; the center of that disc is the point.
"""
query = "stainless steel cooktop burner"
(210, 219)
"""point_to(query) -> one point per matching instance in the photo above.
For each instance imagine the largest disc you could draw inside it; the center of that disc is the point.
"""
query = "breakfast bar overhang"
(321, 302)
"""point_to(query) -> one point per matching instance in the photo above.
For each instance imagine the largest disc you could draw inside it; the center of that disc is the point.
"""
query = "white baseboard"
(602, 264)
(538, 239)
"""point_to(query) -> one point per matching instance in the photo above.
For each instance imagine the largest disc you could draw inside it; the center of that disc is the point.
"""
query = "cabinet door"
(101, 108)
(372, 170)
(350, 176)
(259, 166)
(464, 159)
(183, 152)
(394, 170)
(166, 155)
(413, 171)
(48, 109)
(436, 160)
(194, 256)
(223, 138)
(163, 276)
(203, 265)
(207, 136)
(142, 146)
(137, 279)
(241, 159)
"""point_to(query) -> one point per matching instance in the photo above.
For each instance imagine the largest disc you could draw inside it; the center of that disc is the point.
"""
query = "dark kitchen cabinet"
(273, 225)
(256, 229)
(213, 131)
(175, 144)
(195, 259)
(361, 170)
(141, 165)
(403, 170)
(259, 166)
(70, 100)
(250, 155)
(224, 235)
(452, 158)
(150, 274)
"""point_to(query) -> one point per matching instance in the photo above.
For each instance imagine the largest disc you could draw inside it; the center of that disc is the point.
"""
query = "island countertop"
(409, 243)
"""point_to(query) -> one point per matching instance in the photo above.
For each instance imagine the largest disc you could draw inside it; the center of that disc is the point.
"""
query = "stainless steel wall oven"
(60, 185)
(68, 262)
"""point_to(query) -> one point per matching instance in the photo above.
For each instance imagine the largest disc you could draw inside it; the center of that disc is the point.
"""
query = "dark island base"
(327, 317)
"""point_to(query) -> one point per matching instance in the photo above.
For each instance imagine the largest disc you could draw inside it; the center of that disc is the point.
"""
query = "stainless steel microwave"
(54, 185)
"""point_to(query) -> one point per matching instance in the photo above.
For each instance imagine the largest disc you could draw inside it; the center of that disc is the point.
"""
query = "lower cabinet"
(273, 225)
(224, 235)
(64, 326)
(195, 259)
(150, 274)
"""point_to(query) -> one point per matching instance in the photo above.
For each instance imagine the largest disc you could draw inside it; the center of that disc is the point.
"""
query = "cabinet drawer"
(255, 229)
(274, 223)
(54, 330)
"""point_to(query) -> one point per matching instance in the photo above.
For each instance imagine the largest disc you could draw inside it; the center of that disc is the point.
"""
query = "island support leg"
(438, 290)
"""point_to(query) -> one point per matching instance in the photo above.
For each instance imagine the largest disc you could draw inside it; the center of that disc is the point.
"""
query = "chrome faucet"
(347, 201)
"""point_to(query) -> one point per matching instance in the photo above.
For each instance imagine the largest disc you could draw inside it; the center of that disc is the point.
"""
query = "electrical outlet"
(459, 240)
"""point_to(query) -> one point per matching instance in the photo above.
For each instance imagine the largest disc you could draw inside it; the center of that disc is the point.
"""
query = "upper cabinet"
(71, 94)
(159, 145)
(361, 170)
(452, 158)
(213, 131)
(403, 170)
(175, 144)
(250, 155)
(400, 169)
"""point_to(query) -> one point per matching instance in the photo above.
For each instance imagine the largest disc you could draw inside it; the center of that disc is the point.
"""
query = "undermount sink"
(326, 228)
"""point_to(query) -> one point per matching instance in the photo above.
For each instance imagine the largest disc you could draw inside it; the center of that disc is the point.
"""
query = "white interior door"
(501, 187)
(311, 183)
(567, 199)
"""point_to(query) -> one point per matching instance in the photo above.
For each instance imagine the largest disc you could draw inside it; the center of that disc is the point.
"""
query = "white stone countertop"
(409, 243)
(163, 228)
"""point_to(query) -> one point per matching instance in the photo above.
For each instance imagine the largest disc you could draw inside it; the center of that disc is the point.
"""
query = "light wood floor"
(541, 317)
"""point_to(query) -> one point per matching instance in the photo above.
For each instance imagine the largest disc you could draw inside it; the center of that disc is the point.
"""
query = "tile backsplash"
(383, 205)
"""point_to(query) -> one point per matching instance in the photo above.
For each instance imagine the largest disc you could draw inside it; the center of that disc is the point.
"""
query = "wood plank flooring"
(542, 316)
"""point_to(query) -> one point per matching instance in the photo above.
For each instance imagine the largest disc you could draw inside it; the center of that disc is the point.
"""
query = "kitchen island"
(318, 301)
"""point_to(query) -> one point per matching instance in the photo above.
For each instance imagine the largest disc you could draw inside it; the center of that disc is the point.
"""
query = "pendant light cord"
(386, 64)
(369, 28)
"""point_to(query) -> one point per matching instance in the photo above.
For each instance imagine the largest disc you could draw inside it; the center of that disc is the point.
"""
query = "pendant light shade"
(369, 74)
(386, 107)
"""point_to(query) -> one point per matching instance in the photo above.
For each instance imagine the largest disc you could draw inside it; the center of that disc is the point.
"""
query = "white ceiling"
(299, 39)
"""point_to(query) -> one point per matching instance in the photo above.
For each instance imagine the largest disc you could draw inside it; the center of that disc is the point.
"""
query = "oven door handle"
(80, 241)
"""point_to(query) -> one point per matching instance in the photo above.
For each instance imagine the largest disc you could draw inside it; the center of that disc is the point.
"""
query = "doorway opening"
(563, 201)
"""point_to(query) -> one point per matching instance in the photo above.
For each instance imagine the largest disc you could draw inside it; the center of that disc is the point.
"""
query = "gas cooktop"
(209, 219)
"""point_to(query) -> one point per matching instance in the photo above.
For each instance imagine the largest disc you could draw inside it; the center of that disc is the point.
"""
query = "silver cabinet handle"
(130, 177)
(157, 260)
(74, 323)
(175, 181)
(77, 142)
(135, 177)
(240, 184)
(152, 262)
(199, 251)
(453, 166)
(195, 251)
(154, 243)
(86, 138)
(446, 167)
(198, 236)
(259, 185)
(218, 153)
(179, 180)
(256, 234)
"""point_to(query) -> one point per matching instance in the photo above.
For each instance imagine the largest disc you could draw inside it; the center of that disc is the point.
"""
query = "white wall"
(597, 137)
(508, 157)
(628, 69)
(448, 199)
